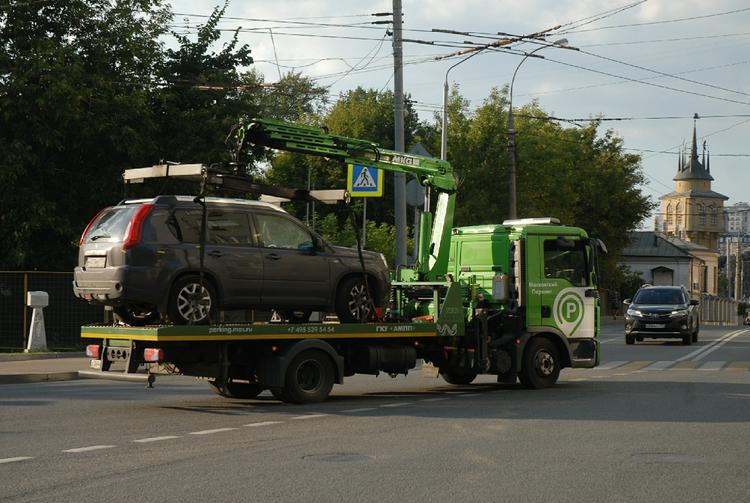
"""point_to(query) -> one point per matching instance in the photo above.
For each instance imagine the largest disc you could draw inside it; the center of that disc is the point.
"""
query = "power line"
(665, 21)
(681, 39)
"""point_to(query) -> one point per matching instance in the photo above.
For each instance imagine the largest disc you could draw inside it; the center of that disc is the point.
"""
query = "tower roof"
(693, 169)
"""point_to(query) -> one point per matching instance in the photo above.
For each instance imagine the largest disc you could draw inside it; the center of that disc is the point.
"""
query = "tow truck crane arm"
(432, 260)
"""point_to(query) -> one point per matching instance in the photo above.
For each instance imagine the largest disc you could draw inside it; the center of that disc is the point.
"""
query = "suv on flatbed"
(142, 257)
(661, 312)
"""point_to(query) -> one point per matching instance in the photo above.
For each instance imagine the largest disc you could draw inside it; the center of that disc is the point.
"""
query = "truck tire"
(352, 304)
(309, 378)
(458, 377)
(238, 389)
(189, 304)
(541, 364)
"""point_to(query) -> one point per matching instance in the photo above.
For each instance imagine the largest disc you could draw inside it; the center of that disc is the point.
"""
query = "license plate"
(655, 325)
(96, 364)
(96, 261)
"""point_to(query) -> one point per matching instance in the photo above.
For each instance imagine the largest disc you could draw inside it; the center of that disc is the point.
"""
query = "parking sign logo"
(568, 311)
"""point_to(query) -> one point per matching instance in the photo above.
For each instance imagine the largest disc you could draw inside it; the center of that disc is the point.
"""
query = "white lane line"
(660, 365)
(611, 365)
(577, 379)
(209, 432)
(89, 448)
(262, 423)
(605, 341)
(398, 404)
(435, 399)
(13, 460)
(309, 416)
(713, 345)
(469, 394)
(363, 409)
(155, 439)
(712, 365)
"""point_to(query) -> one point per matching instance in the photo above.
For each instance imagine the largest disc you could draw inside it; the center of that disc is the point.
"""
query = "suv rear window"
(111, 224)
(659, 296)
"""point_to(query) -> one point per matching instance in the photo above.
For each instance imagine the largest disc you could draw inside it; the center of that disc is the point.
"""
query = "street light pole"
(444, 135)
(511, 126)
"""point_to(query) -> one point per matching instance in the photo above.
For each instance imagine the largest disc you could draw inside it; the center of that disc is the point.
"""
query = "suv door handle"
(273, 256)
(215, 253)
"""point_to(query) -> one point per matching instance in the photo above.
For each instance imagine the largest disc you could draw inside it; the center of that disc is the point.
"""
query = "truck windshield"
(566, 259)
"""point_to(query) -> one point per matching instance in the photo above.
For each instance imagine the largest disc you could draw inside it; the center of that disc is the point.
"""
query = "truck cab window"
(566, 259)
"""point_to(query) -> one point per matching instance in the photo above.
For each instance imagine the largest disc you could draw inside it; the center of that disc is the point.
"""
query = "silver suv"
(143, 258)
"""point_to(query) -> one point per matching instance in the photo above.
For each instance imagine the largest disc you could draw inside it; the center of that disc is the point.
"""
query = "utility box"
(37, 333)
(37, 299)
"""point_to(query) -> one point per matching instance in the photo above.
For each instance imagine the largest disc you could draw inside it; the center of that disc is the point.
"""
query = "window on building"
(669, 215)
(714, 216)
(678, 214)
(702, 214)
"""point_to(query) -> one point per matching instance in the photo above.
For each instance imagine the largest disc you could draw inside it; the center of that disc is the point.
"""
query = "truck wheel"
(238, 389)
(189, 304)
(352, 303)
(137, 316)
(309, 378)
(458, 377)
(541, 364)
(630, 339)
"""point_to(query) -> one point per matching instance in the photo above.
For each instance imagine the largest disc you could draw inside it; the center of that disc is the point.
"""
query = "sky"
(651, 64)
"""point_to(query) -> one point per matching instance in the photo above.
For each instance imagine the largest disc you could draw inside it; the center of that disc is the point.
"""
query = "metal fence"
(719, 311)
(62, 318)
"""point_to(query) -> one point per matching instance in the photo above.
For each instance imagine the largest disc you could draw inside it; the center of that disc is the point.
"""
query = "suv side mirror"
(694, 302)
(627, 302)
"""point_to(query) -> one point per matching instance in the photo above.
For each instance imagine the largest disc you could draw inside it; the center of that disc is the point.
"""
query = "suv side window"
(276, 231)
(225, 226)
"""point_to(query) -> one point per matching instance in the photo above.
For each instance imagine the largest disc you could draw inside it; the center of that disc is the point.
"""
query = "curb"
(32, 378)
(20, 357)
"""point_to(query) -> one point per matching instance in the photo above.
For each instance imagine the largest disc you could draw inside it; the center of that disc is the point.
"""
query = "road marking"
(13, 460)
(686, 365)
(209, 432)
(309, 416)
(611, 365)
(469, 394)
(739, 365)
(637, 365)
(364, 409)
(435, 399)
(712, 346)
(399, 404)
(577, 379)
(741, 396)
(712, 365)
(262, 423)
(660, 365)
(155, 439)
(89, 448)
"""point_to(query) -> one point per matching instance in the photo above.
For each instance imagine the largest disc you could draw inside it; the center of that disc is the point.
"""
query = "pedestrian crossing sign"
(364, 181)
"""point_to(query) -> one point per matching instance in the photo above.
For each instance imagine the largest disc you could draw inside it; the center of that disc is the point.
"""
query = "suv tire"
(188, 304)
(352, 302)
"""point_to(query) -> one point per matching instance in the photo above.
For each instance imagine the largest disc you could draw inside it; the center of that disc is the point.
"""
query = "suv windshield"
(659, 296)
(111, 225)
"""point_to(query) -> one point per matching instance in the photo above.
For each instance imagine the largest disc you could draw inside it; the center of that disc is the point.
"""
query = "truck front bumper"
(584, 353)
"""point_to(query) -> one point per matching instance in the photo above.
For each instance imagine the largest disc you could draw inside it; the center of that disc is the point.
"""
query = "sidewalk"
(18, 368)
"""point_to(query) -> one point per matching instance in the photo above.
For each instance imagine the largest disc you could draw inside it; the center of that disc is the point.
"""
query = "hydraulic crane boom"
(432, 260)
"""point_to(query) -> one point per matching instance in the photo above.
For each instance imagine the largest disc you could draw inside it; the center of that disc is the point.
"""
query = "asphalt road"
(658, 421)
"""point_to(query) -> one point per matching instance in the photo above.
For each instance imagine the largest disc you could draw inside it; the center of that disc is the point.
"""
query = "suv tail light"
(135, 227)
(91, 222)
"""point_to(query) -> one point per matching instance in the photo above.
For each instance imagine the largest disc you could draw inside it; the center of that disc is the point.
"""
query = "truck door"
(565, 295)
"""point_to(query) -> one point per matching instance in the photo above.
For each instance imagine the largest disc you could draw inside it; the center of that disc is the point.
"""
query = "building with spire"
(694, 213)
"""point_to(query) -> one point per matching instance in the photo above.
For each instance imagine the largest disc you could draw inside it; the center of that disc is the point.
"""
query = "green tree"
(75, 81)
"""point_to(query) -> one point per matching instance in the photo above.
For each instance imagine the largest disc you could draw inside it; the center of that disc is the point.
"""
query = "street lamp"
(444, 135)
(563, 43)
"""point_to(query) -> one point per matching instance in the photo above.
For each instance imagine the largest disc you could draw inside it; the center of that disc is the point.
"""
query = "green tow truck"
(518, 300)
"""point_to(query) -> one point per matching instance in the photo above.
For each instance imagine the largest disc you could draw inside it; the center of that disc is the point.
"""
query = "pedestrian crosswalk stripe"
(712, 365)
(660, 365)
(738, 365)
(688, 365)
(624, 367)
(611, 365)
(632, 366)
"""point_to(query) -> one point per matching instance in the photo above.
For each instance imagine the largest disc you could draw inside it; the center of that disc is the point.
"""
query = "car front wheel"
(352, 302)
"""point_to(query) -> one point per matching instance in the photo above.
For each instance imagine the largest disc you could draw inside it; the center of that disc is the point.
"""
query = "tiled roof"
(653, 244)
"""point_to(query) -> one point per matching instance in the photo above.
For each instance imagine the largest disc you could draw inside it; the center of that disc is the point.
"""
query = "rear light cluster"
(135, 227)
(153, 355)
(93, 351)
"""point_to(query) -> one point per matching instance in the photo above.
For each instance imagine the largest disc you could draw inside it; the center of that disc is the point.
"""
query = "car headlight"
(678, 313)
(634, 312)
